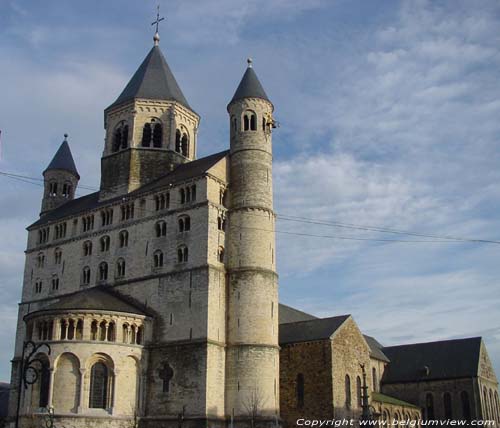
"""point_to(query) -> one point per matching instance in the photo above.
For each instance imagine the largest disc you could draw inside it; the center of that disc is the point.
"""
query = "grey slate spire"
(63, 159)
(249, 86)
(153, 80)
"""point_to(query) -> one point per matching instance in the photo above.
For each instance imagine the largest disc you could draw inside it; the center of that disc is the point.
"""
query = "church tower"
(60, 179)
(150, 128)
(252, 360)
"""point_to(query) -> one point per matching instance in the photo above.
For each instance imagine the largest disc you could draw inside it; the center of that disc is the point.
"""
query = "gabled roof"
(375, 349)
(63, 159)
(98, 298)
(287, 314)
(88, 202)
(153, 80)
(433, 360)
(307, 331)
(249, 87)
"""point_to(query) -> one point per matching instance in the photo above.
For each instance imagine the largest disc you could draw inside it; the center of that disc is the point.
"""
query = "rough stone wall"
(379, 367)
(349, 350)
(314, 361)
(415, 393)
(488, 387)
(252, 360)
(392, 412)
(128, 169)
(189, 300)
(61, 177)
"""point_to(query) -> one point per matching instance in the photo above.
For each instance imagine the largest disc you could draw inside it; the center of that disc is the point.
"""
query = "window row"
(43, 235)
(465, 405)
(491, 404)
(107, 217)
(182, 142)
(249, 122)
(66, 189)
(187, 194)
(60, 231)
(73, 329)
(54, 284)
(162, 201)
(120, 137)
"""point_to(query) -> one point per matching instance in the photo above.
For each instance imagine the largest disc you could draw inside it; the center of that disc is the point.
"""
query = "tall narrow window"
(300, 390)
(146, 135)
(55, 283)
(448, 414)
(464, 398)
(161, 229)
(44, 384)
(182, 254)
(158, 259)
(117, 139)
(178, 137)
(185, 145)
(123, 238)
(157, 135)
(98, 386)
(105, 241)
(374, 379)
(87, 248)
(429, 406)
(249, 121)
(120, 268)
(347, 392)
(103, 271)
(358, 391)
(125, 137)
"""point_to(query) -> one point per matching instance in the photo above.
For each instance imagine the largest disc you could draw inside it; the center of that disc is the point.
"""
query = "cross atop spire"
(156, 37)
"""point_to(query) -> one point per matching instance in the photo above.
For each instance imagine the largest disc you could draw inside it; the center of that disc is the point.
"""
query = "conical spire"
(153, 80)
(63, 159)
(249, 86)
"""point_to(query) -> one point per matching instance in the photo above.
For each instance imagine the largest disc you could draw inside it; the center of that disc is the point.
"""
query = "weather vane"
(156, 37)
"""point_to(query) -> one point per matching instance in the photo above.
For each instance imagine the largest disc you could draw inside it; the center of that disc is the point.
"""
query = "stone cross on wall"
(166, 374)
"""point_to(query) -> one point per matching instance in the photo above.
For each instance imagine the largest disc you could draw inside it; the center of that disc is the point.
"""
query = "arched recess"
(99, 382)
(66, 383)
(40, 389)
(127, 386)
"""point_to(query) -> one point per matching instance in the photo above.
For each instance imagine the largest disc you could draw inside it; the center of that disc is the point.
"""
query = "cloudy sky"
(390, 117)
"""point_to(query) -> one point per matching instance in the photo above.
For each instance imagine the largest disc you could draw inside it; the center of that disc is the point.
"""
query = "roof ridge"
(462, 339)
(317, 319)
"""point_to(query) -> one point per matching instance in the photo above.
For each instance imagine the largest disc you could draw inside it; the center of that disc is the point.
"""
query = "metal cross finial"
(156, 37)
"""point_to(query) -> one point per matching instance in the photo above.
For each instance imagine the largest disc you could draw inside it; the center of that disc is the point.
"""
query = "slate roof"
(153, 80)
(287, 314)
(446, 359)
(98, 298)
(63, 159)
(306, 331)
(91, 201)
(249, 87)
(382, 398)
(375, 349)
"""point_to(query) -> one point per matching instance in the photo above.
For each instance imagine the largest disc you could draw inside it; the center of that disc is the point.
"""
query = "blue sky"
(389, 115)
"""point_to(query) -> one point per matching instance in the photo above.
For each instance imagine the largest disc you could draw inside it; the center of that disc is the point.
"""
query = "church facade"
(158, 294)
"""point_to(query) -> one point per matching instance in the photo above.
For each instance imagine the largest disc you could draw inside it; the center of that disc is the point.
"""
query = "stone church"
(158, 294)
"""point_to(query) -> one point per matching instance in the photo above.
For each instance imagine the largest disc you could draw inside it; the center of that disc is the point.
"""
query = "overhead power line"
(305, 220)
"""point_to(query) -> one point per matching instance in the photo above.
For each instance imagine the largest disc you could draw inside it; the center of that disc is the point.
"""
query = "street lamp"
(29, 372)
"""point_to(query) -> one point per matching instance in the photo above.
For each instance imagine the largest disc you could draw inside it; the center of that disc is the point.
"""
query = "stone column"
(51, 387)
(81, 396)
